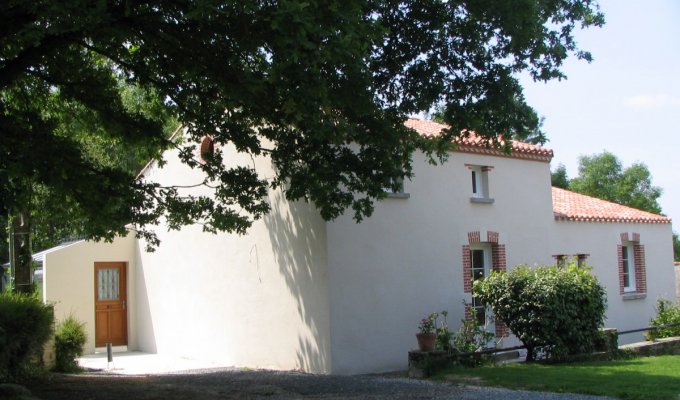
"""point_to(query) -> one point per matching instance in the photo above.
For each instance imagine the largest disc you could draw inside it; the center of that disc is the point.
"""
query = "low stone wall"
(422, 364)
(658, 347)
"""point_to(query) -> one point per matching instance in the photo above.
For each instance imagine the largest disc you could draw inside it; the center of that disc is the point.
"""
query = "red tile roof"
(570, 206)
(477, 144)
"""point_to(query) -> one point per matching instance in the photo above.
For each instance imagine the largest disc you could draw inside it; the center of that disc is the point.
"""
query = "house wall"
(600, 241)
(677, 282)
(406, 260)
(68, 281)
(256, 300)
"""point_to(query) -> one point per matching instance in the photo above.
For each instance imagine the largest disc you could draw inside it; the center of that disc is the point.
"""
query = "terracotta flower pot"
(426, 341)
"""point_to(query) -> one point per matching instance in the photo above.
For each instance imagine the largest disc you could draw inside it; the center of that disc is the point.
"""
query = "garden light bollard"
(109, 355)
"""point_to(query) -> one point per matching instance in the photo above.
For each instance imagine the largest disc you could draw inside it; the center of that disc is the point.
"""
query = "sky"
(627, 101)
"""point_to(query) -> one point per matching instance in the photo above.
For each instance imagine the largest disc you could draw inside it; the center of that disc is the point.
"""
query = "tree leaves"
(322, 89)
(603, 176)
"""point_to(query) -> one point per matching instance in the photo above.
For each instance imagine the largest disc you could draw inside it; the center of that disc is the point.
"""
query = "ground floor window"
(632, 268)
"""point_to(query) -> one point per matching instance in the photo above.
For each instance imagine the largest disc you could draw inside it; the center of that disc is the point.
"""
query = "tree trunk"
(530, 353)
(20, 253)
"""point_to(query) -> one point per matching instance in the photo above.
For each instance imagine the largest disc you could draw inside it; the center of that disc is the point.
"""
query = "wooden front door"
(110, 303)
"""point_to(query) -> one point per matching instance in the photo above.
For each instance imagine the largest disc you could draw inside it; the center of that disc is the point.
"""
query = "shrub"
(69, 341)
(558, 310)
(25, 326)
(666, 313)
(444, 334)
(471, 337)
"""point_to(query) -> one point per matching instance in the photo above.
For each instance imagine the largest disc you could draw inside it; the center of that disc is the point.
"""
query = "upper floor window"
(395, 189)
(479, 175)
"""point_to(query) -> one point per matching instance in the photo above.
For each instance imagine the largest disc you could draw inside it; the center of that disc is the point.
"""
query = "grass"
(655, 378)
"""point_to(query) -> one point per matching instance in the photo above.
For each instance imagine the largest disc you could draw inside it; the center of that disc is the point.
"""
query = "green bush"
(471, 338)
(557, 310)
(25, 326)
(69, 341)
(666, 313)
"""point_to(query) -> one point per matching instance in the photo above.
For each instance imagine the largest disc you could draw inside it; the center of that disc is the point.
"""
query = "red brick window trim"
(632, 267)
(498, 263)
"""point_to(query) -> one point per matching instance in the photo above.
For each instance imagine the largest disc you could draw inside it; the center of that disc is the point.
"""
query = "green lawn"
(654, 378)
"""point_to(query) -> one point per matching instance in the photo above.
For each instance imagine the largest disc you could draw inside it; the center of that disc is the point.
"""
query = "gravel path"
(231, 384)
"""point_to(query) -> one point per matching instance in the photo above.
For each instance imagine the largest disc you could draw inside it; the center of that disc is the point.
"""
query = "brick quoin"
(492, 237)
(619, 250)
(474, 237)
(467, 269)
(498, 257)
(501, 329)
(640, 269)
(499, 265)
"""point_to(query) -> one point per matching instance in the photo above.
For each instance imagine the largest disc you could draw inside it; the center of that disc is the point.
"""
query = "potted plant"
(427, 335)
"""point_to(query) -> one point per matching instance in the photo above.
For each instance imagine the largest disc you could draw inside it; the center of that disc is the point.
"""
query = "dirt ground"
(234, 385)
(255, 385)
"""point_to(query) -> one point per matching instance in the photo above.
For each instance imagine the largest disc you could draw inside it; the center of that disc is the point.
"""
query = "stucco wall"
(600, 241)
(257, 300)
(68, 281)
(677, 282)
(406, 260)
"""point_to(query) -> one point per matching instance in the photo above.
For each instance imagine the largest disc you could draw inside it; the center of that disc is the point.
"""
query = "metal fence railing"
(649, 328)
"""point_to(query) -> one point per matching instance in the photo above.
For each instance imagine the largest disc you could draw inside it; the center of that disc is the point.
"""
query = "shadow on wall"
(298, 236)
(145, 336)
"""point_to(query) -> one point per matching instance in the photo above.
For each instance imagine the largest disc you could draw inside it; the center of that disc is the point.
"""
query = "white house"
(298, 292)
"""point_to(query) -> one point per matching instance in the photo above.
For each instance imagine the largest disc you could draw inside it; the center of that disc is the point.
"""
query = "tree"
(294, 81)
(558, 309)
(676, 247)
(559, 178)
(603, 176)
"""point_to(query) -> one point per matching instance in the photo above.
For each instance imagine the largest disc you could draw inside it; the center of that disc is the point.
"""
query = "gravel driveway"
(231, 384)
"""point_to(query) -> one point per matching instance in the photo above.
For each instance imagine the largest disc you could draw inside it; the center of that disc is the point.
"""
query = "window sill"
(634, 296)
(398, 195)
(481, 200)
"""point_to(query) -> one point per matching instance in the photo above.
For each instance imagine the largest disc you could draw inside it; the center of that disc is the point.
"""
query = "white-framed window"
(628, 261)
(479, 183)
(480, 266)
(395, 189)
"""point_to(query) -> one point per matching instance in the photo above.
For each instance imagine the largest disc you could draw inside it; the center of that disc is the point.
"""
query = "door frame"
(122, 290)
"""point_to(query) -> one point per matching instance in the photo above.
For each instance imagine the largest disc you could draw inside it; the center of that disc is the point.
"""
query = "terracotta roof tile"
(570, 206)
(477, 144)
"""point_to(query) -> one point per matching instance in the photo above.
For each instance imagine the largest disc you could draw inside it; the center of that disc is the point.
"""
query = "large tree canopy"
(297, 81)
(603, 176)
